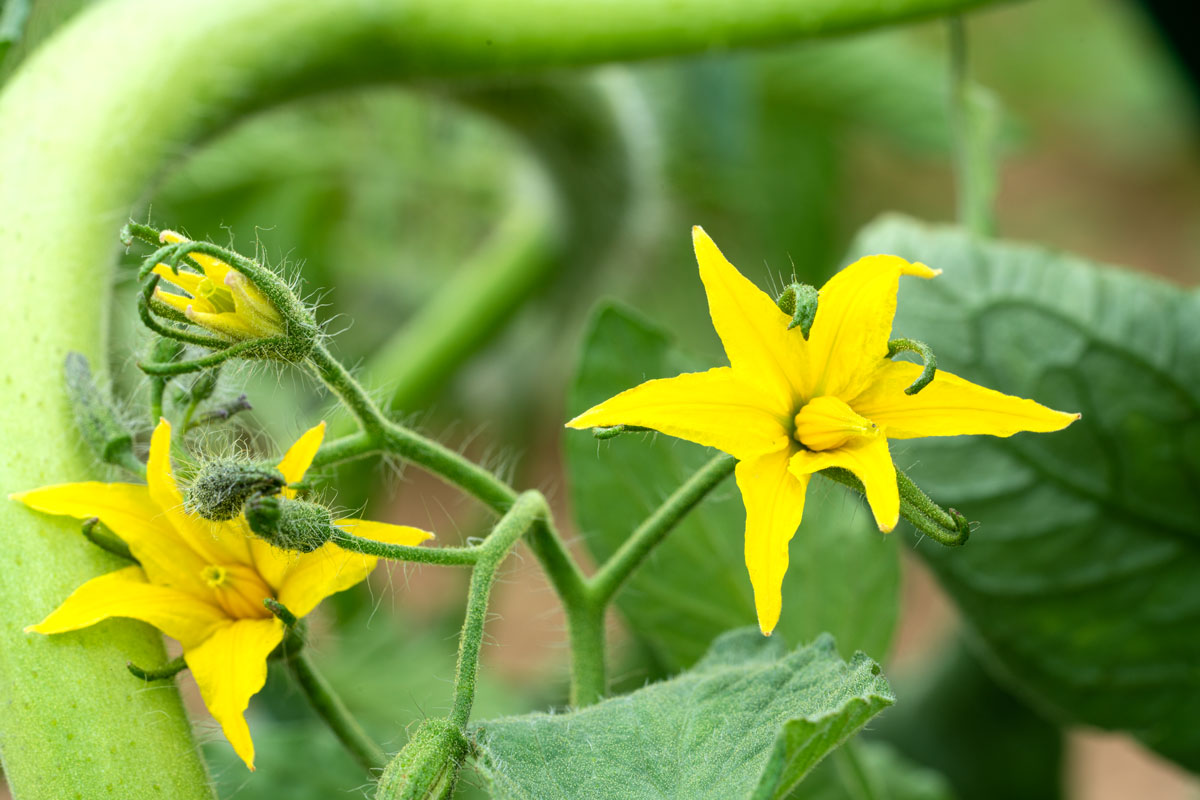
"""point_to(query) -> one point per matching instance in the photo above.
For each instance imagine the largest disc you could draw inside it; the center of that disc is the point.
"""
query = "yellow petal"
(950, 406)
(774, 500)
(230, 667)
(849, 338)
(187, 281)
(312, 577)
(226, 323)
(183, 304)
(127, 510)
(214, 268)
(254, 306)
(126, 593)
(384, 531)
(715, 408)
(871, 461)
(214, 542)
(299, 456)
(752, 328)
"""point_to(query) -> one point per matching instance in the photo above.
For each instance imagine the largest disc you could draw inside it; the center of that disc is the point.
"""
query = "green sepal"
(427, 768)
(294, 525)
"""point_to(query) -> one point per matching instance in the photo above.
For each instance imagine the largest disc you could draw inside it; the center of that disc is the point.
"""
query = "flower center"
(215, 576)
(220, 297)
(826, 422)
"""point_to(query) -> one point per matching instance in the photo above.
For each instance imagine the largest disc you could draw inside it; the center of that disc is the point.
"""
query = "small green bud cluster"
(427, 768)
(799, 301)
(289, 524)
(221, 488)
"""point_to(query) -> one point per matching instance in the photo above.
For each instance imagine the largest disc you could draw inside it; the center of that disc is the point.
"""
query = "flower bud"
(800, 302)
(427, 768)
(221, 488)
(289, 524)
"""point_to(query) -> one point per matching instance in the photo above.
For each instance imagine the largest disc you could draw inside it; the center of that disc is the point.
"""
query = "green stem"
(525, 512)
(587, 635)
(973, 114)
(333, 712)
(945, 527)
(441, 556)
(609, 579)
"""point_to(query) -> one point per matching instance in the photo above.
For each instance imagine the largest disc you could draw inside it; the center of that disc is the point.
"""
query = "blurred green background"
(375, 200)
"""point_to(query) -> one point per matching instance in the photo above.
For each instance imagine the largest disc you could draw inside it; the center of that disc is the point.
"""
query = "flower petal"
(181, 303)
(126, 509)
(849, 338)
(215, 542)
(949, 406)
(299, 456)
(715, 408)
(230, 667)
(774, 500)
(384, 531)
(871, 461)
(752, 328)
(227, 323)
(214, 268)
(126, 593)
(314, 576)
(188, 281)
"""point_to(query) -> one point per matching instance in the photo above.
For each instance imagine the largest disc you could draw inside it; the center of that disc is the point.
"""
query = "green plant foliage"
(749, 720)
(864, 769)
(844, 574)
(1081, 578)
(956, 719)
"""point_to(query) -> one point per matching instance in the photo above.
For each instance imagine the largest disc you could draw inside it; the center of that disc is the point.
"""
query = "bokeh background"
(376, 200)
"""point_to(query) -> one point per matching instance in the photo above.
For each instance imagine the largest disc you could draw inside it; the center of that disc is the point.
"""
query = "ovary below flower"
(222, 299)
(789, 406)
(203, 583)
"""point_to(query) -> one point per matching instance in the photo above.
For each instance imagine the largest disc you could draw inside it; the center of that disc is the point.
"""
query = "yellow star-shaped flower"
(788, 407)
(203, 583)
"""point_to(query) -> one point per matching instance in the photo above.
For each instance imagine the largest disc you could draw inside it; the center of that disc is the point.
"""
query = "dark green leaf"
(1082, 577)
(748, 721)
(862, 770)
(957, 720)
(844, 574)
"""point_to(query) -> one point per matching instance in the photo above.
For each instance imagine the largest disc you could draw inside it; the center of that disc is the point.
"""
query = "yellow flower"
(203, 583)
(788, 407)
(222, 300)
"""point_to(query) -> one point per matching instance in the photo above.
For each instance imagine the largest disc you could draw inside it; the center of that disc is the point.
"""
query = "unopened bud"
(221, 488)
(427, 768)
(289, 524)
(799, 301)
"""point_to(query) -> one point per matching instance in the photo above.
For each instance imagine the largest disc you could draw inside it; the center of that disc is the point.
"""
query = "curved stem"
(442, 556)
(609, 579)
(330, 708)
(525, 512)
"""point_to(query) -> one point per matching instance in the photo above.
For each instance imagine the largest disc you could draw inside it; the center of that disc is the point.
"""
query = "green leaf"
(1081, 579)
(864, 769)
(748, 721)
(938, 725)
(844, 574)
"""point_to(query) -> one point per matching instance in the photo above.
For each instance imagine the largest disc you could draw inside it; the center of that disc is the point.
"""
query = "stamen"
(215, 576)
(825, 423)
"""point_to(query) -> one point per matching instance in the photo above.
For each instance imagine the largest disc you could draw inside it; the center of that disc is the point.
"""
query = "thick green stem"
(586, 633)
(333, 711)
(609, 579)
(525, 512)
(974, 115)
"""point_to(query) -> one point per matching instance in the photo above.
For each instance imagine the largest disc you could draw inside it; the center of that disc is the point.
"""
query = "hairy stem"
(333, 712)
(525, 512)
(609, 579)
(441, 556)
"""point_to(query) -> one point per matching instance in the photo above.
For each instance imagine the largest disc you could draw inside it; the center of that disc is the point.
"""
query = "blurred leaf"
(862, 770)
(750, 720)
(844, 574)
(1081, 579)
(938, 724)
